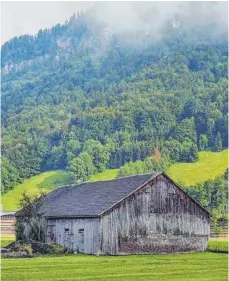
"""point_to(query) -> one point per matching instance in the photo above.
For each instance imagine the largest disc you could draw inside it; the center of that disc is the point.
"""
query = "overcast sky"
(28, 17)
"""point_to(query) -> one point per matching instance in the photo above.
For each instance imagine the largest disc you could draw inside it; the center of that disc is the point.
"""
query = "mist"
(133, 16)
(28, 17)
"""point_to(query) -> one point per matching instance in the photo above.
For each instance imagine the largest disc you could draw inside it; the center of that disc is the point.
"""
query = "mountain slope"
(84, 98)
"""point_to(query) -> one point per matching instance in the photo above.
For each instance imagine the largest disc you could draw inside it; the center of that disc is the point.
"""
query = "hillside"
(209, 166)
(106, 175)
(46, 181)
(86, 98)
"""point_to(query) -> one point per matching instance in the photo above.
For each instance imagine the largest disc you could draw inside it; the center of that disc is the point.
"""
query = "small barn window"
(71, 237)
(66, 233)
(81, 240)
(81, 231)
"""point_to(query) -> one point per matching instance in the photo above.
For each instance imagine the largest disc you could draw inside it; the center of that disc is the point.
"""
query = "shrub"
(24, 248)
(218, 246)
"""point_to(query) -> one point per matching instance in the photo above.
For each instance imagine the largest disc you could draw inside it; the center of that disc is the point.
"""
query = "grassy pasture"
(106, 175)
(6, 240)
(209, 166)
(46, 181)
(186, 267)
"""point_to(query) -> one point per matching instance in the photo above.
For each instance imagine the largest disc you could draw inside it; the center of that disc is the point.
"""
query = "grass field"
(183, 267)
(106, 175)
(218, 246)
(6, 240)
(209, 166)
(46, 181)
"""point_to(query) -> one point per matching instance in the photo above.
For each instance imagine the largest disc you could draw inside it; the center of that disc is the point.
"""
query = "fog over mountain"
(28, 17)
(124, 16)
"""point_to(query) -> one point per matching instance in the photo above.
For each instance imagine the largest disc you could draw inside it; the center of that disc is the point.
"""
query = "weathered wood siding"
(80, 235)
(159, 217)
(7, 226)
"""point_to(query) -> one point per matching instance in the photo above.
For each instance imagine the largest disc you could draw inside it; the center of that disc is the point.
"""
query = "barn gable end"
(158, 217)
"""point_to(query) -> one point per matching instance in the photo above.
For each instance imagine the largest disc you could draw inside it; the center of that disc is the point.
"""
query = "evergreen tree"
(218, 142)
(203, 142)
(193, 155)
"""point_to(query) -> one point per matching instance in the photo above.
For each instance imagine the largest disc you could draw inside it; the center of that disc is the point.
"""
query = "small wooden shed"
(7, 222)
(140, 214)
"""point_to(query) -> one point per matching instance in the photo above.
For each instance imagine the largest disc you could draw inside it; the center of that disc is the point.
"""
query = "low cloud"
(28, 17)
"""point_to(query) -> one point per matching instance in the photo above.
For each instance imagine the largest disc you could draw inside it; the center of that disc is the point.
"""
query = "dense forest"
(80, 97)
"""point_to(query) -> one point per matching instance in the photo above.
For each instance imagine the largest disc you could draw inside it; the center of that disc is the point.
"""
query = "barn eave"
(72, 217)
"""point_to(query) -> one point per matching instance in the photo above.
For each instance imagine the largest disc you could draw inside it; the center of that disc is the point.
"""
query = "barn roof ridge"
(91, 182)
(129, 176)
(93, 199)
(88, 198)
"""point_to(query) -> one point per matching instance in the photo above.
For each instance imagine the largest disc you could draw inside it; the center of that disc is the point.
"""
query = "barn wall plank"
(157, 218)
(66, 233)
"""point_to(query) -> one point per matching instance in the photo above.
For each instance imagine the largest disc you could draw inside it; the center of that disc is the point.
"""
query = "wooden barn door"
(81, 240)
(51, 234)
(67, 238)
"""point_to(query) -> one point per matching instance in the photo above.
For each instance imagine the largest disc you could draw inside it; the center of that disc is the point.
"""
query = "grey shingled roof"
(91, 198)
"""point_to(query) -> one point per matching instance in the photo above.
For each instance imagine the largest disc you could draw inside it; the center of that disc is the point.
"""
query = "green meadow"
(6, 240)
(46, 181)
(209, 166)
(106, 175)
(204, 266)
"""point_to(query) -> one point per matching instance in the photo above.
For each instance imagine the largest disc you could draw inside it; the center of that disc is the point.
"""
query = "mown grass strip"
(186, 267)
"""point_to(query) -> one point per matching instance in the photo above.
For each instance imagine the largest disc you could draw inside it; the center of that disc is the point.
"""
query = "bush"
(24, 248)
(43, 248)
(17, 251)
(218, 246)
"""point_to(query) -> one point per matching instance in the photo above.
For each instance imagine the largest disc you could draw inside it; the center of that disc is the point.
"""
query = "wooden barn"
(140, 214)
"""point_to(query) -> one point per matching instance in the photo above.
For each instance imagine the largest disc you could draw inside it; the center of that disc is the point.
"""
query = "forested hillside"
(82, 98)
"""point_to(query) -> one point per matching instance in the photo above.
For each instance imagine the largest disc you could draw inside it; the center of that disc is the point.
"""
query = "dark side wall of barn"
(158, 218)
